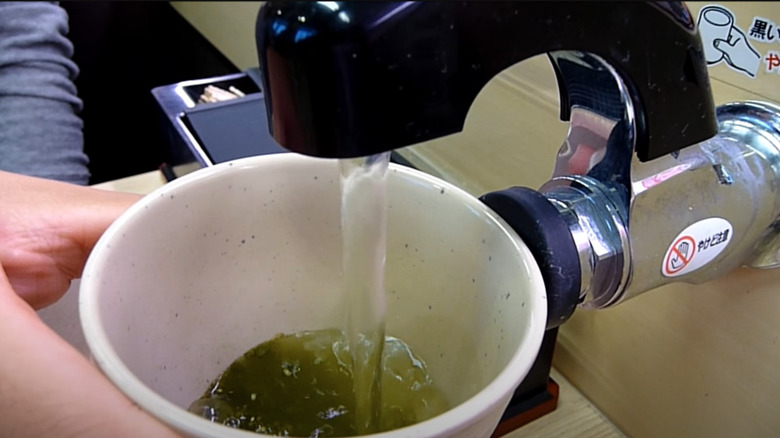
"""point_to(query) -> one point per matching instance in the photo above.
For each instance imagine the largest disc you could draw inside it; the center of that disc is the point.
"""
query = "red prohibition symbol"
(680, 255)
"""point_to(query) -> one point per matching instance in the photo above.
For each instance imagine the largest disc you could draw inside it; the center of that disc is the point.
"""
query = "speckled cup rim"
(446, 424)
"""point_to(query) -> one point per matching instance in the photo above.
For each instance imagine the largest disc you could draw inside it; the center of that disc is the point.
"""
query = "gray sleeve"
(40, 128)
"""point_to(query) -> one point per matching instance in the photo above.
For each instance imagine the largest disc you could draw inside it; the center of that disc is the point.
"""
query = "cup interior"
(227, 257)
(717, 17)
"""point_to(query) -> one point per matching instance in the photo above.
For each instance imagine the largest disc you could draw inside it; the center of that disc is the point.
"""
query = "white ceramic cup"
(227, 257)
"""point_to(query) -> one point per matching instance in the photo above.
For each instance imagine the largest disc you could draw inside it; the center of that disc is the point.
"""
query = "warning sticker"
(696, 246)
(739, 47)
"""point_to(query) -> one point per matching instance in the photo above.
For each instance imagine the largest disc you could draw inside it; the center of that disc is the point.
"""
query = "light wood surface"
(680, 361)
(575, 417)
(230, 26)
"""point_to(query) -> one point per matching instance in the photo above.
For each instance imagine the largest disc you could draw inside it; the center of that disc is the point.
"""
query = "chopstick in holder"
(215, 94)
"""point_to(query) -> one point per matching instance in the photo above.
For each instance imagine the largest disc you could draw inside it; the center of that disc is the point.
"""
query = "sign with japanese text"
(747, 45)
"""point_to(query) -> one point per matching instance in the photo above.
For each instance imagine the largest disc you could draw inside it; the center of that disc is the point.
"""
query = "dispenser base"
(522, 411)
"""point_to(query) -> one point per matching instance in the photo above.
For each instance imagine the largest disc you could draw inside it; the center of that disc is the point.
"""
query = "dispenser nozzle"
(346, 79)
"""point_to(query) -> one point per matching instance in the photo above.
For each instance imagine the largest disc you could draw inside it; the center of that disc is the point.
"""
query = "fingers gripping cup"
(218, 261)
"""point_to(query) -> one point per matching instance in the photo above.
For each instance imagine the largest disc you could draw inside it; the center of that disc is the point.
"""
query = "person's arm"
(40, 127)
(48, 389)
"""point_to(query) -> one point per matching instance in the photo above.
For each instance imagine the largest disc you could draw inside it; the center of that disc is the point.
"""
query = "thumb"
(723, 45)
(5, 285)
(729, 50)
(9, 299)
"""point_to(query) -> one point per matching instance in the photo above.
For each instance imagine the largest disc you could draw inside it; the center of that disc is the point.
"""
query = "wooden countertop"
(575, 416)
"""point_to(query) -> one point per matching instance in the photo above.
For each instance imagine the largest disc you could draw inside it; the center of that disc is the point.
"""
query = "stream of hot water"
(364, 231)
